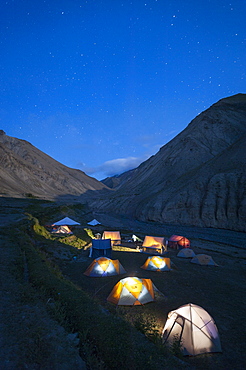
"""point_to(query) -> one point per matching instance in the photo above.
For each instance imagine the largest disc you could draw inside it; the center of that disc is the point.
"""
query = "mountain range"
(198, 178)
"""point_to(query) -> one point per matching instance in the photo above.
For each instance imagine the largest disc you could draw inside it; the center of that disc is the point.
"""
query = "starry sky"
(101, 85)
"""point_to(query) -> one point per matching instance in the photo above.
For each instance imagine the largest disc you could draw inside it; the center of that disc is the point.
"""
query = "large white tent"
(194, 330)
(66, 221)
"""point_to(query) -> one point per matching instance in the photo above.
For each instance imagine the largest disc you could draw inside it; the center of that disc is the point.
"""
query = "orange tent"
(153, 244)
(113, 235)
(178, 242)
(104, 266)
(157, 263)
(132, 291)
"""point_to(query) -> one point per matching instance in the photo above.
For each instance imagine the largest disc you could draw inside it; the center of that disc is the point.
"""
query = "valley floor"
(220, 290)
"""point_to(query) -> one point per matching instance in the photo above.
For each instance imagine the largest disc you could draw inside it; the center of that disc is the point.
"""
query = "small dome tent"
(153, 244)
(178, 242)
(157, 263)
(132, 291)
(113, 235)
(204, 260)
(103, 266)
(193, 328)
(186, 253)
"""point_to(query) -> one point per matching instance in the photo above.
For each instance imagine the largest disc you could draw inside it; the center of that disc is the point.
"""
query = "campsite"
(220, 290)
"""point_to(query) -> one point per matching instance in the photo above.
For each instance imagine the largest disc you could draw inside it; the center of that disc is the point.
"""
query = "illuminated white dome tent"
(132, 291)
(193, 328)
(157, 263)
(103, 266)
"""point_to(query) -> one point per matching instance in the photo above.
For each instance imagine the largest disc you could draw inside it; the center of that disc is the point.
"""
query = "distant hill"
(117, 181)
(25, 170)
(198, 178)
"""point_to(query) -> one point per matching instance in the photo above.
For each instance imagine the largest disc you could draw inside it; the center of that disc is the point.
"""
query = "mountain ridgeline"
(198, 178)
(25, 170)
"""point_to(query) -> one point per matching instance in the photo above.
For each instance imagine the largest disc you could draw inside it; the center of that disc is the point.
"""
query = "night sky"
(102, 85)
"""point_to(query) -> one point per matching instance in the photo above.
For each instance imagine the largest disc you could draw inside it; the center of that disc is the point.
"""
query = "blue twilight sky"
(101, 85)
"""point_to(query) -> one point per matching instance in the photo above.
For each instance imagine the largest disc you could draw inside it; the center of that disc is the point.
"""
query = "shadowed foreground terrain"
(32, 339)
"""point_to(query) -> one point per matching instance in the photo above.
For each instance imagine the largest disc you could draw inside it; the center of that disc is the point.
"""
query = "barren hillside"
(198, 178)
(25, 169)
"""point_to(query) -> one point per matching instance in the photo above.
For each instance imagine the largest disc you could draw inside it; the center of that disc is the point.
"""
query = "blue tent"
(101, 248)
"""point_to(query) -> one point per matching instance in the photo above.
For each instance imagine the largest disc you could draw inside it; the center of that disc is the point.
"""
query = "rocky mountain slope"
(198, 178)
(25, 169)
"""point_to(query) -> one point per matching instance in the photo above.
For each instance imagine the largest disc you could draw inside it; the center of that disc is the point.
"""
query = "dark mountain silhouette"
(25, 169)
(198, 178)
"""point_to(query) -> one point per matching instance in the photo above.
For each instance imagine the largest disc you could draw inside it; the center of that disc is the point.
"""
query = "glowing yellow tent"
(193, 329)
(104, 266)
(153, 244)
(113, 235)
(204, 260)
(132, 291)
(186, 253)
(157, 263)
